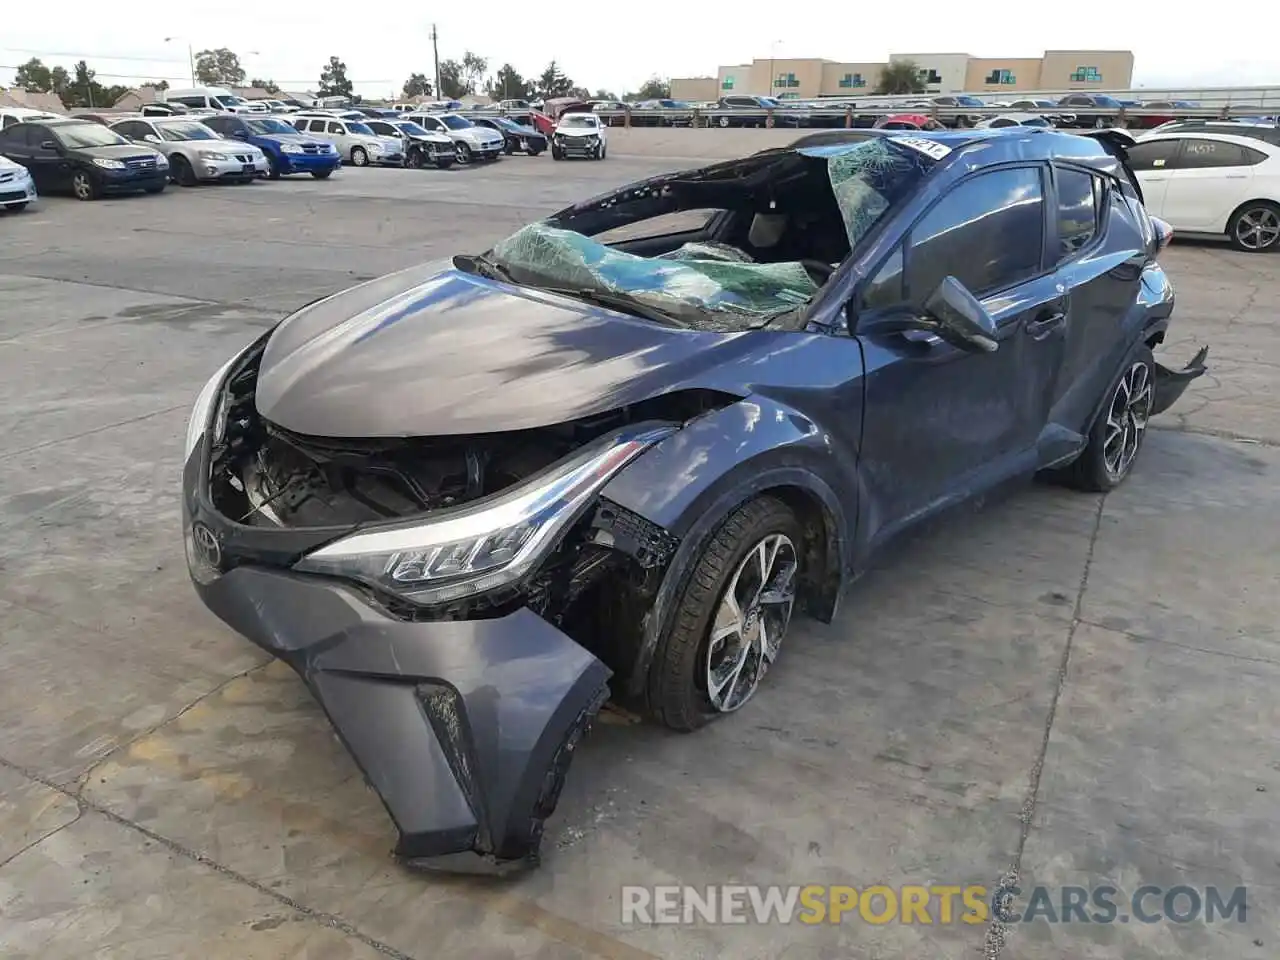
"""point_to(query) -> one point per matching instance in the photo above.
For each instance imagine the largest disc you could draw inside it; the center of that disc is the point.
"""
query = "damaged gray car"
(616, 454)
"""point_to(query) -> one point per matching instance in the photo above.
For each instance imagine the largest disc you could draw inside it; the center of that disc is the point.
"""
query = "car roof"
(1240, 139)
(1001, 144)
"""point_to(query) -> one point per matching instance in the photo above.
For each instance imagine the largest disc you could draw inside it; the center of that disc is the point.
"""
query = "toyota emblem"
(206, 543)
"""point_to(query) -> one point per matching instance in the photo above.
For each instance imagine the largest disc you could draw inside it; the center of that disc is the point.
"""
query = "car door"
(1150, 161)
(47, 161)
(940, 422)
(1207, 180)
(336, 130)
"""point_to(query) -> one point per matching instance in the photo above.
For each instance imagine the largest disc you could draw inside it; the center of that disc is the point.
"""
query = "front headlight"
(161, 160)
(290, 148)
(108, 164)
(210, 155)
(488, 544)
(375, 147)
(200, 413)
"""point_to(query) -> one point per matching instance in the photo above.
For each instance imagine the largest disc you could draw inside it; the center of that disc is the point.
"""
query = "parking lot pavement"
(1049, 688)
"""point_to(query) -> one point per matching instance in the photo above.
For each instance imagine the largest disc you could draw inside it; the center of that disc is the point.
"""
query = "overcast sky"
(599, 45)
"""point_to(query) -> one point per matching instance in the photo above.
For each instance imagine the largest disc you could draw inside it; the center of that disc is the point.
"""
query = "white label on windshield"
(930, 148)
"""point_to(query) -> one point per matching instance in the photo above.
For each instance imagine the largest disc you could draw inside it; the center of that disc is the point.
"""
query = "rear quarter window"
(1079, 210)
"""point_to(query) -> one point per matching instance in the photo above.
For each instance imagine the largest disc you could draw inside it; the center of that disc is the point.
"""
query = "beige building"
(941, 73)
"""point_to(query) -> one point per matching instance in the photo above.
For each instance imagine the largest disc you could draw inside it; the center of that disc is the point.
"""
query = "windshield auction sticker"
(930, 148)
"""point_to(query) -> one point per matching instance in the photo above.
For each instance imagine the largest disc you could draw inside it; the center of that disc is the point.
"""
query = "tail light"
(1164, 233)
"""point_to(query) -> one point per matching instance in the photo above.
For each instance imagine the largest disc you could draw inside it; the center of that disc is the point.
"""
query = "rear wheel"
(1117, 435)
(85, 186)
(1255, 227)
(731, 617)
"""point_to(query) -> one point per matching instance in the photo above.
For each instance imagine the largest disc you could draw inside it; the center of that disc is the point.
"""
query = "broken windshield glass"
(870, 178)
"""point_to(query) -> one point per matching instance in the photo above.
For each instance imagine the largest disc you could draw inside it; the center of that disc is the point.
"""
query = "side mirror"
(950, 313)
(959, 318)
(48, 145)
(151, 138)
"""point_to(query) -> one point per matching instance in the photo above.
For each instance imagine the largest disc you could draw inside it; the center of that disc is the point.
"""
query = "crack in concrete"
(1147, 638)
(88, 433)
(997, 931)
(333, 921)
(1216, 434)
(43, 837)
(82, 781)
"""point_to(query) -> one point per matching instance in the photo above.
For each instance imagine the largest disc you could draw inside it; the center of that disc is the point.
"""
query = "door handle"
(1045, 324)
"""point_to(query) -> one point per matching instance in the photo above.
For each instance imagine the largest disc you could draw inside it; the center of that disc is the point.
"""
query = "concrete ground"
(1058, 688)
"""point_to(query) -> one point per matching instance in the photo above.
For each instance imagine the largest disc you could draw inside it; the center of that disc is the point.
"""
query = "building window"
(1086, 75)
(853, 80)
(786, 80)
(1005, 77)
(930, 76)
(726, 83)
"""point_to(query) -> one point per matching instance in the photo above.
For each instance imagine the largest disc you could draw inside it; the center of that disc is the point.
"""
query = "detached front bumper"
(465, 728)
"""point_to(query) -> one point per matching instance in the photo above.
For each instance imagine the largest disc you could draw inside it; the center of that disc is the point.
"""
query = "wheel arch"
(1240, 207)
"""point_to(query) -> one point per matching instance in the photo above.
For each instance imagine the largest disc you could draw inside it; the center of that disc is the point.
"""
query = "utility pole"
(435, 50)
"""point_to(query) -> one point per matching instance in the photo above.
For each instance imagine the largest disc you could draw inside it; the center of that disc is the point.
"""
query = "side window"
(37, 135)
(8, 122)
(317, 126)
(189, 101)
(988, 233)
(1078, 206)
(1199, 154)
(1154, 154)
(335, 127)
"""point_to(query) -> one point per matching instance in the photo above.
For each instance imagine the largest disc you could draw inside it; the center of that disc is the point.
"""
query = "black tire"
(444, 163)
(722, 122)
(273, 167)
(557, 153)
(677, 688)
(508, 148)
(181, 171)
(85, 185)
(603, 151)
(321, 174)
(359, 157)
(532, 151)
(415, 159)
(1093, 470)
(1251, 227)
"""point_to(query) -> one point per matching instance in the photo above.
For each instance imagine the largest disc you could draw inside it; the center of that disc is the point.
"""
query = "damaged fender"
(691, 481)
(464, 728)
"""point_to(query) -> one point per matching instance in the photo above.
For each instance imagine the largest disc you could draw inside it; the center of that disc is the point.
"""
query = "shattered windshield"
(717, 285)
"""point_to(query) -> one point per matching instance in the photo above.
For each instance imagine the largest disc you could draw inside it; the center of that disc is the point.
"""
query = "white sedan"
(17, 189)
(1014, 120)
(1212, 183)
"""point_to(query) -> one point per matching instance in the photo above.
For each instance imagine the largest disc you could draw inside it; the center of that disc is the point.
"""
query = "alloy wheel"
(750, 622)
(359, 157)
(1127, 420)
(82, 186)
(1258, 228)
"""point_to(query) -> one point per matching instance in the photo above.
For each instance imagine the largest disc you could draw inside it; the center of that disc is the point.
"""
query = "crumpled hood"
(432, 351)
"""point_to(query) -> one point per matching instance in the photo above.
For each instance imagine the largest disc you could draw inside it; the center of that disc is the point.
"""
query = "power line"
(86, 56)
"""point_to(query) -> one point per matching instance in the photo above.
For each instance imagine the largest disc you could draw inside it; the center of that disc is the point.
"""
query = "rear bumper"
(1170, 384)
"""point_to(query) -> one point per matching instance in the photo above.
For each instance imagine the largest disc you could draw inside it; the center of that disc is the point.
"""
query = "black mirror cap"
(959, 317)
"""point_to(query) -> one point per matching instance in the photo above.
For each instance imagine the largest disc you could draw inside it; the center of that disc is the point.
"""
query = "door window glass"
(1199, 154)
(1078, 206)
(988, 233)
(1153, 155)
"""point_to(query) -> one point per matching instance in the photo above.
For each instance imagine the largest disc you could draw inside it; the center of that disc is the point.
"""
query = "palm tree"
(900, 76)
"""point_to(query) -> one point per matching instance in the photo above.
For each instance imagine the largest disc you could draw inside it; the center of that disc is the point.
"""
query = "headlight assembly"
(290, 148)
(203, 408)
(210, 155)
(487, 544)
(108, 164)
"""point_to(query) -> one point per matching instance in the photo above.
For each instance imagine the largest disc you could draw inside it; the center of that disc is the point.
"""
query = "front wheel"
(85, 186)
(1255, 227)
(464, 153)
(321, 174)
(16, 207)
(273, 167)
(1117, 435)
(556, 153)
(359, 157)
(414, 160)
(604, 149)
(730, 619)
(532, 151)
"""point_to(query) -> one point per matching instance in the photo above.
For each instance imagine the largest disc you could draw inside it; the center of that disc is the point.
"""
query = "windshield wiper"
(624, 302)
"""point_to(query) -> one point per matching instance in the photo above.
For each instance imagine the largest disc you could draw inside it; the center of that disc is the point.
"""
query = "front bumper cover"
(464, 728)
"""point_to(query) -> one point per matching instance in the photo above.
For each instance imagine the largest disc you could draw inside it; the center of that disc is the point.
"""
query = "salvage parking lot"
(1056, 688)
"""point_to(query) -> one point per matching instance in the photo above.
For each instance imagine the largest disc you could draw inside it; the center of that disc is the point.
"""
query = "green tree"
(900, 76)
(553, 82)
(416, 86)
(219, 68)
(452, 79)
(474, 67)
(34, 77)
(507, 84)
(655, 88)
(603, 94)
(267, 85)
(158, 85)
(333, 80)
(83, 89)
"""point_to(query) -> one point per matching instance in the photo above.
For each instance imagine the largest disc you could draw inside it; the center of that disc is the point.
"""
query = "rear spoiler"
(1117, 143)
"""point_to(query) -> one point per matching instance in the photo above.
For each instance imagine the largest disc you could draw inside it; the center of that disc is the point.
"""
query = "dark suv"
(83, 157)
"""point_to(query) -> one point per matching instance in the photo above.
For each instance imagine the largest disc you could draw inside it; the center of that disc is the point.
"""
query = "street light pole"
(191, 57)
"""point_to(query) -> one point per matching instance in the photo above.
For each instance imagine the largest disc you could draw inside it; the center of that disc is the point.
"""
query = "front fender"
(691, 481)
